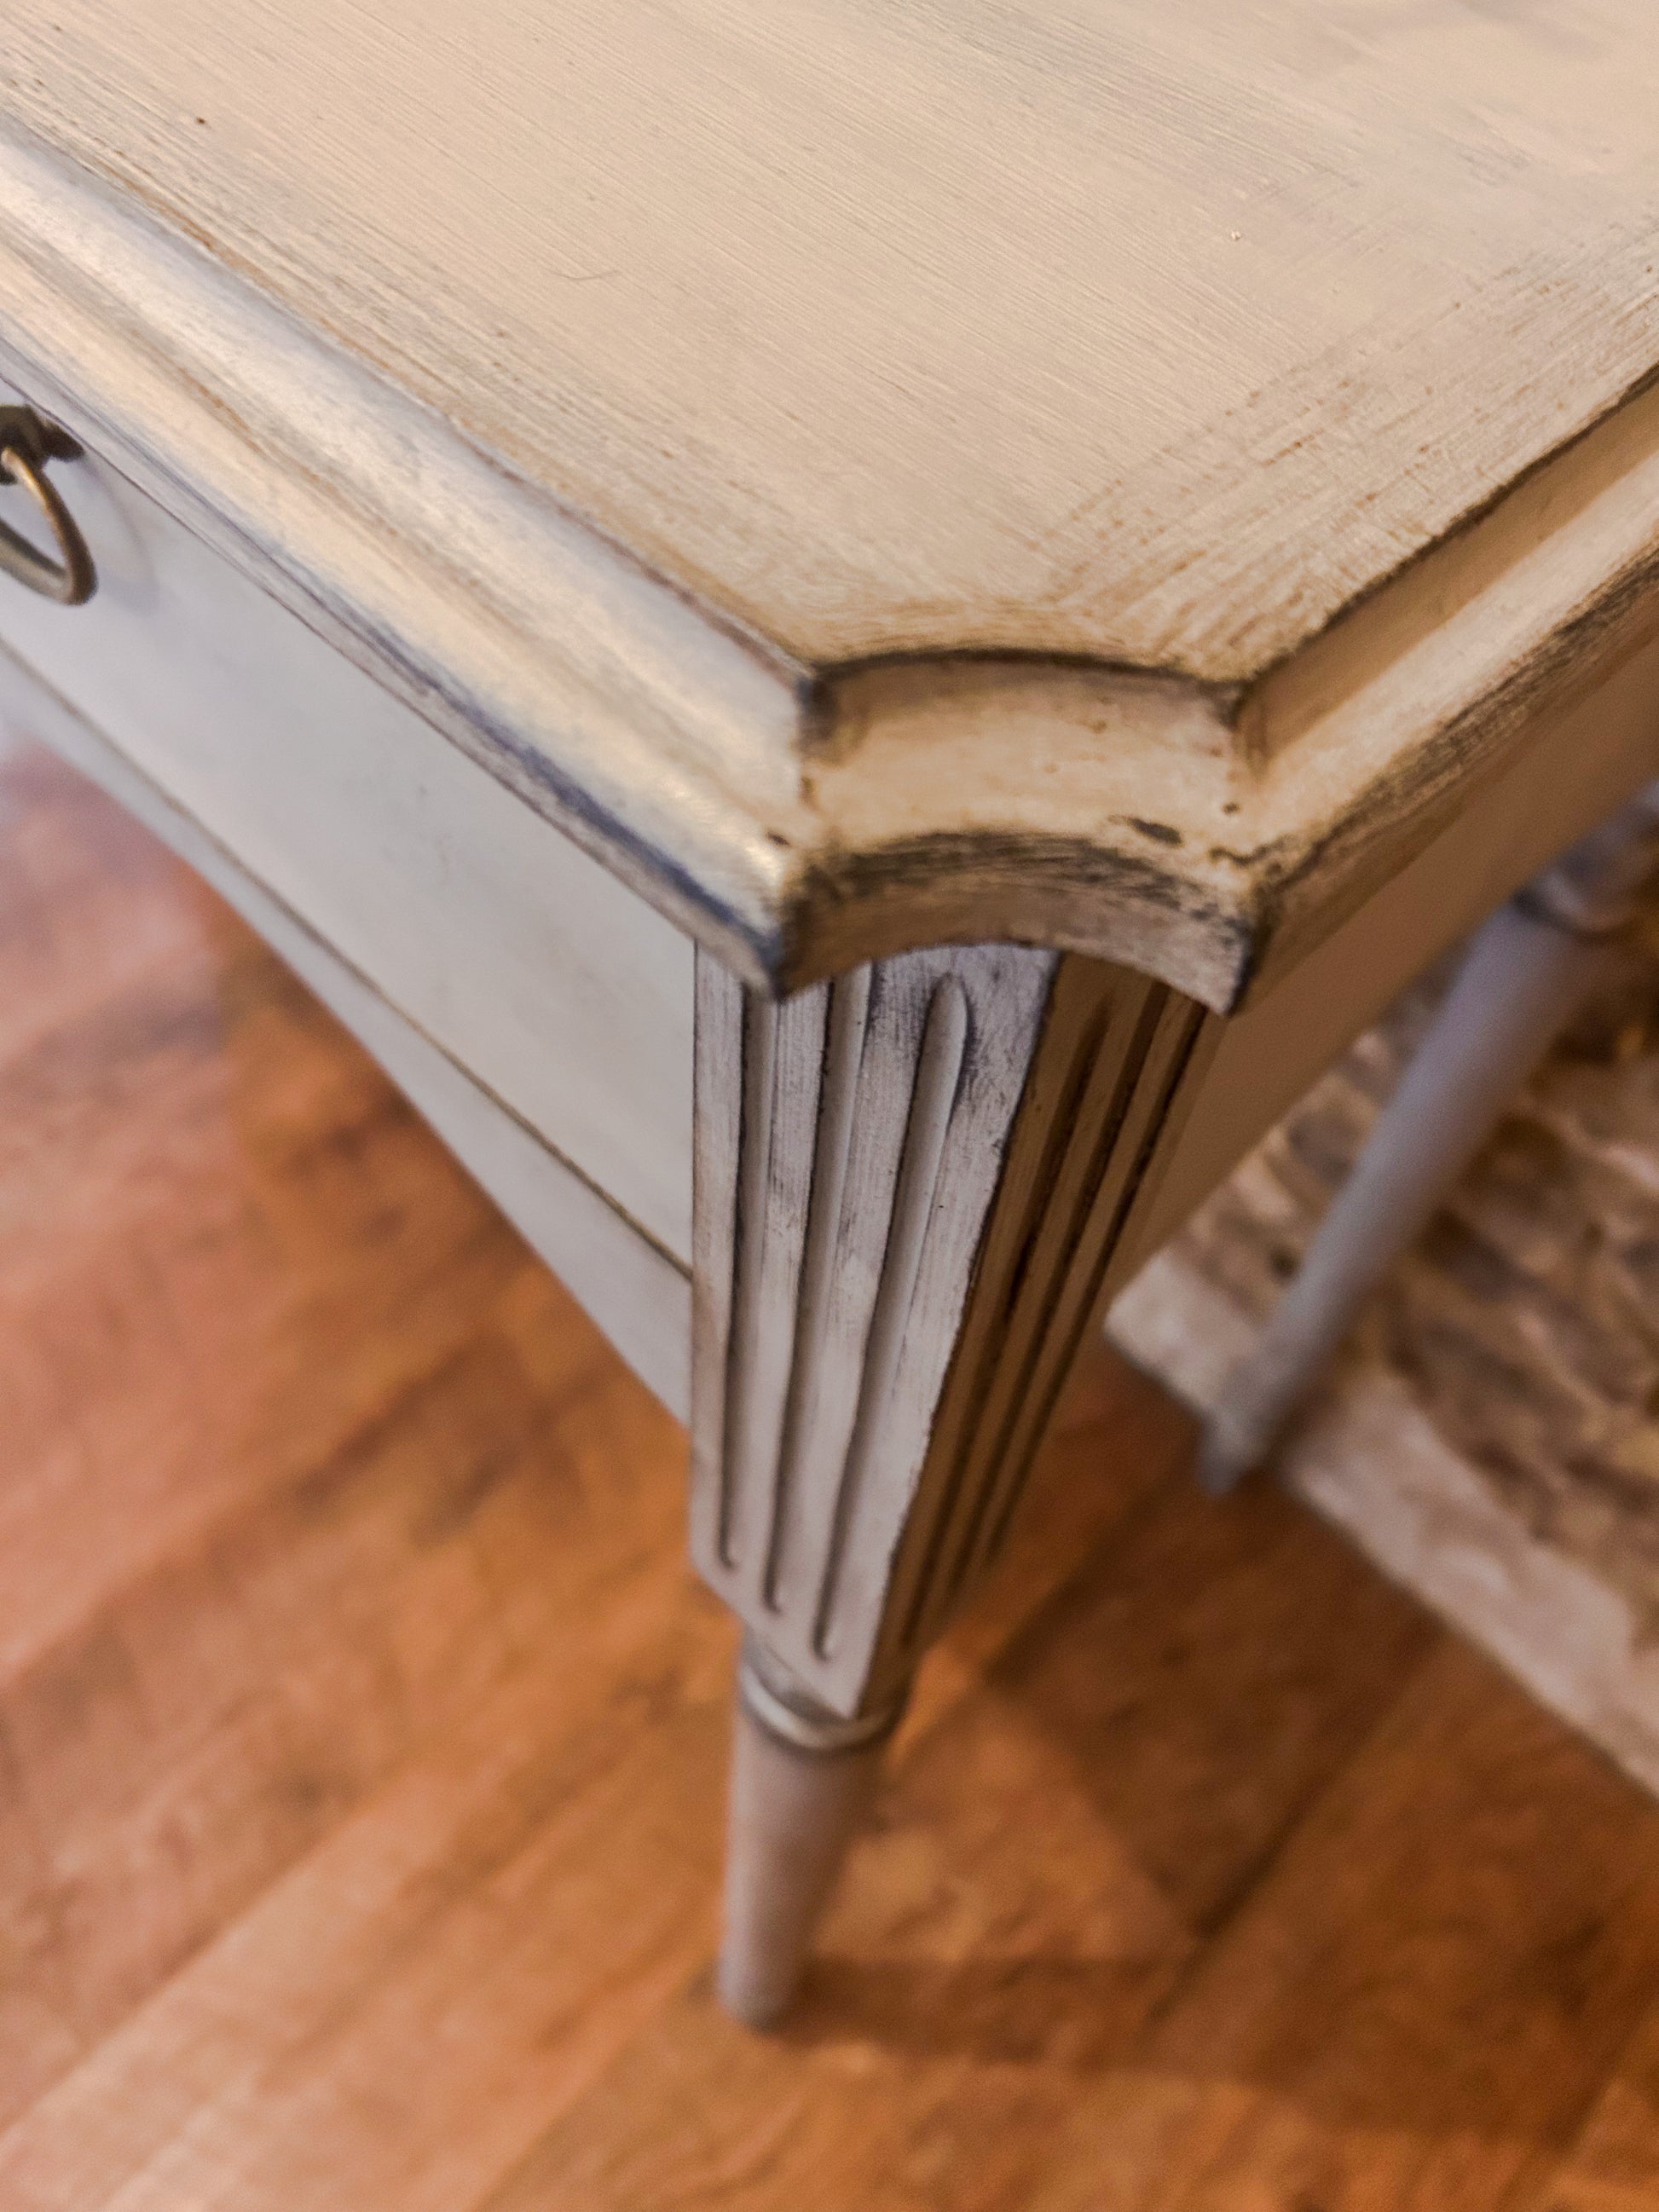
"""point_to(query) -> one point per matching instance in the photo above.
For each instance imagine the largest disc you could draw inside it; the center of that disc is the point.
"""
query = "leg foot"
(801, 1781)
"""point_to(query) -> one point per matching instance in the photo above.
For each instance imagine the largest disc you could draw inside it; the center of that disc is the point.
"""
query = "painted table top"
(881, 471)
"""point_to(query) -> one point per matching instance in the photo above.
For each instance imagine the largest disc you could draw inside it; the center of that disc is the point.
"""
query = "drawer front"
(556, 987)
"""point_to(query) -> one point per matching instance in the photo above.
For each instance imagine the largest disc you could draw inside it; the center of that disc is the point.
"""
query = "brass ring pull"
(27, 443)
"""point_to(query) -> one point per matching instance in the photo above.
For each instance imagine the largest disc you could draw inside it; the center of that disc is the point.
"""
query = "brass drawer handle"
(27, 444)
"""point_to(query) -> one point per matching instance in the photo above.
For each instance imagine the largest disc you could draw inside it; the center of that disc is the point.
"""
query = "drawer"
(555, 987)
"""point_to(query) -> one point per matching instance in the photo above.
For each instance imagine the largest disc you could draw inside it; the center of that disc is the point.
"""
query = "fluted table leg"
(911, 1186)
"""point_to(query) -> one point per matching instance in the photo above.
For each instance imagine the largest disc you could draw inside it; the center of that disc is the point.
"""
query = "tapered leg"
(910, 1186)
(1526, 973)
(802, 1779)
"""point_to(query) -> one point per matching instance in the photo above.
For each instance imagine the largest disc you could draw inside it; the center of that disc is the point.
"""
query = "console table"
(853, 638)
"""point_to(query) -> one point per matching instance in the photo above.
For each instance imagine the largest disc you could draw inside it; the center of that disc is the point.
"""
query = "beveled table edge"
(799, 820)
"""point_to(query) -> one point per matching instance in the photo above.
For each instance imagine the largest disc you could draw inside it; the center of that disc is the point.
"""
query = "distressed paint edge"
(763, 806)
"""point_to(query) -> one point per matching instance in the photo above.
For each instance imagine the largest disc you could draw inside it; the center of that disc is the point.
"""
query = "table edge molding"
(799, 821)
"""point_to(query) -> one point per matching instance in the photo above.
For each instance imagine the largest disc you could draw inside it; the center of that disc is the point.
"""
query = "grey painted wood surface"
(1271, 382)
(635, 1293)
(911, 1187)
(556, 987)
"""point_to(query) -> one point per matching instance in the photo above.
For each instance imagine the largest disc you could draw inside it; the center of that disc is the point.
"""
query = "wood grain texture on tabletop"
(922, 328)
(1093, 475)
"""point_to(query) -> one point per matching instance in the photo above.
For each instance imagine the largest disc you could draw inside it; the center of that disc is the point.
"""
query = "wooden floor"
(363, 1730)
